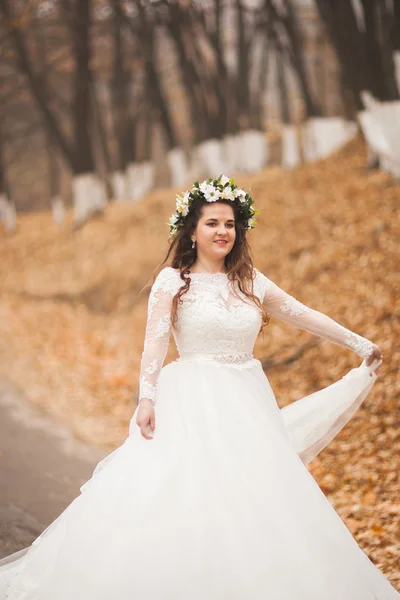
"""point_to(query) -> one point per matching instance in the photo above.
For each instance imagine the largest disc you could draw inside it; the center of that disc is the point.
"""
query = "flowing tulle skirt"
(219, 505)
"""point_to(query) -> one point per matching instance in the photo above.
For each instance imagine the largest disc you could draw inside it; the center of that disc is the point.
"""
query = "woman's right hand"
(146, 418)
(376, 354)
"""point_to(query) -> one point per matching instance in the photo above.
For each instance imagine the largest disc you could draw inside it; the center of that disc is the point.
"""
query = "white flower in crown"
(251, 223)
(203, 187)
(227, 193)
(224, 179)
(173, 219)
(182, 204)
(210, 192)
(185, 211)
(241, 194)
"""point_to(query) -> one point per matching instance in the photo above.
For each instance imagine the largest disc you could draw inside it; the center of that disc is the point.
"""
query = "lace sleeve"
(157, 334)
(286, 308)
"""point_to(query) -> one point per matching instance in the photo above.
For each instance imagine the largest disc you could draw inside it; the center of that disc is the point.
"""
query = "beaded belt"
(235, 358)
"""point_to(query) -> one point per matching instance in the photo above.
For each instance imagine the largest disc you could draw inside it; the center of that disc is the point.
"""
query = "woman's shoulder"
(261, 282)
(168, 280)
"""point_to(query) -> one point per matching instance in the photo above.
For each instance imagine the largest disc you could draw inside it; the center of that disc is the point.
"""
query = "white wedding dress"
(219, 505)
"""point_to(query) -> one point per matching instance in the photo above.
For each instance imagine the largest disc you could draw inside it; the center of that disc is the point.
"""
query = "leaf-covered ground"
(72, 319)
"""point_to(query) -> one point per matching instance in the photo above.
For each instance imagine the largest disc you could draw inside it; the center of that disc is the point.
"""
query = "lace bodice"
(215, 323)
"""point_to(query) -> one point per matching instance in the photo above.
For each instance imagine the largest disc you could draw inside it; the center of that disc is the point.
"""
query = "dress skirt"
(219, 505)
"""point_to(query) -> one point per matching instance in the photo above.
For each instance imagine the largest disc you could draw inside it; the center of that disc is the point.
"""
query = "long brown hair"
(238, 262)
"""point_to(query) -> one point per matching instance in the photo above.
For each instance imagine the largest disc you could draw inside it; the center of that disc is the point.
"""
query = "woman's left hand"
(376, 354)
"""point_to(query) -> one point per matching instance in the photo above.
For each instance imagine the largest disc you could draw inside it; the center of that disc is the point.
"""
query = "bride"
(209, 497)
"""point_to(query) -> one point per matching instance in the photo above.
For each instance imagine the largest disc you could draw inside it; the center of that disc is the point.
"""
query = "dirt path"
(42, 467)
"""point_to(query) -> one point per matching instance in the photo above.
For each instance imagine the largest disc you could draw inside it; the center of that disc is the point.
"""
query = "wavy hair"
(238, 262)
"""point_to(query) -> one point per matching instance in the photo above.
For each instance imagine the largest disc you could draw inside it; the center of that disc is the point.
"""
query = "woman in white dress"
(209, 497)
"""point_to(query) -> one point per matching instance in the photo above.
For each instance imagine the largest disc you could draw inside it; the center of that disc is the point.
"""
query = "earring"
(193, 243)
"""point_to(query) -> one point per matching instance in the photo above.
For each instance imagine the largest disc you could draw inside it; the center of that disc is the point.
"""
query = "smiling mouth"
(221, 242)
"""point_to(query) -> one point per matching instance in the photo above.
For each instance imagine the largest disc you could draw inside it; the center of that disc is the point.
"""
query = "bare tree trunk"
(179, 27)
(258, 111)
(8, 214)
(288, 20)
(51, 146)
(221, 90)
(54, 168)
(100, 127)
(78, 151)
(210, 86)
(383, 84)
(349, 99)
(348, 42)
(123, 116)
(3, 177)
(387, 49)
(146, 34)
(396, 25)
(243, 90)
(360, 53)
(82, 109)
(148, 133)
(373, 55)
(290, 23)
(37, 85)
(283, 90)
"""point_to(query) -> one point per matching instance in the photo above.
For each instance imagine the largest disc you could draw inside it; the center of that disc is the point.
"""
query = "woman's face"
(215, 231)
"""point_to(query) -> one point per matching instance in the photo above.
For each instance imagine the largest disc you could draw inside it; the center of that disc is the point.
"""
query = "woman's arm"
(157, 334)
(286, 308)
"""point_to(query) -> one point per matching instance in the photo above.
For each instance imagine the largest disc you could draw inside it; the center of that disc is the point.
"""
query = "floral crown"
(212, 190)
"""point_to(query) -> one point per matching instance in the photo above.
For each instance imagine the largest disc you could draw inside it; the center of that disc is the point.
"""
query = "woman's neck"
(207, 266)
